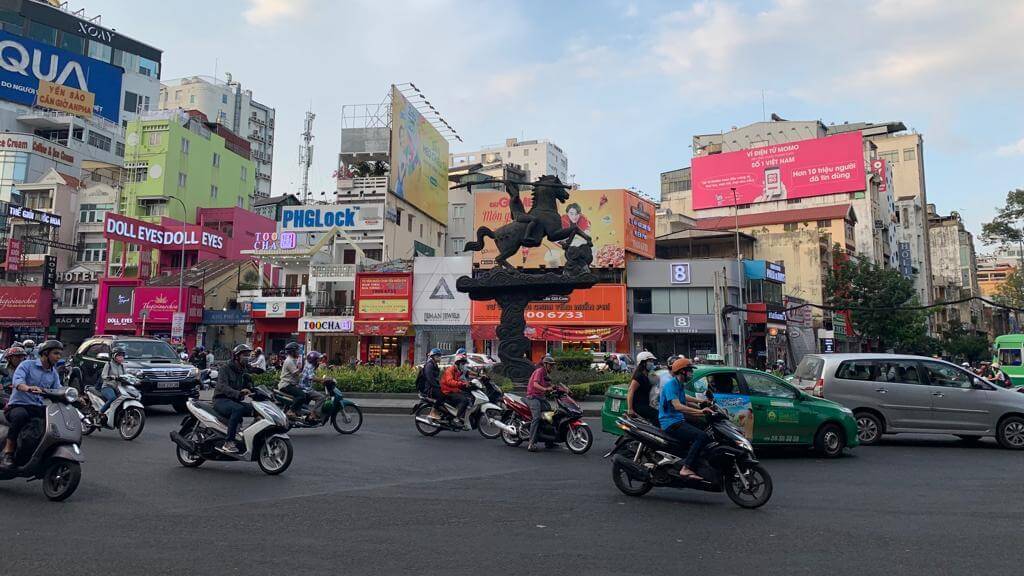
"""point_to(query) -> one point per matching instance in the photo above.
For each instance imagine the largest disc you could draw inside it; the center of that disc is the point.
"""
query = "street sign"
(178, 325)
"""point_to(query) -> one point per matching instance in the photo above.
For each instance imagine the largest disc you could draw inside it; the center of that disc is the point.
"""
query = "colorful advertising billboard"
(157, 237)
(616, 220)
(384, 296)
(419, 160)
(25, 306)
(800, 169)
(25, 64)
(602, 305)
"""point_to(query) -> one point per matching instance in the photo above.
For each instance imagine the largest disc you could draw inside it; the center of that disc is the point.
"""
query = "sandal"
(690, 475)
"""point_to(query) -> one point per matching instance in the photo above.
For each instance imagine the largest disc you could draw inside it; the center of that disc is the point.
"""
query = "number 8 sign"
(681, 273)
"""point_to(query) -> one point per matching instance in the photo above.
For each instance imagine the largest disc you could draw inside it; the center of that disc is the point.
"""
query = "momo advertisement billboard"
(419, 160)
(800, 169)
(617, 221)
(25, 63)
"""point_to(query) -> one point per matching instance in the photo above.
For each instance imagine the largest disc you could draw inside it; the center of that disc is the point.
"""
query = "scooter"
(208, 378)
(342, 413)
(265, 440)
(125, 414)
(564, 424)
(484, 414)
(645, 457)
(57, 458)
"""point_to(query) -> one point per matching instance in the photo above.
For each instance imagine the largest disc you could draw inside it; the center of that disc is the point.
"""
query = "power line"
(730, 308)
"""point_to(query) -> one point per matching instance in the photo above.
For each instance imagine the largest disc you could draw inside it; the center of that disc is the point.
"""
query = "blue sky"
(622, 85)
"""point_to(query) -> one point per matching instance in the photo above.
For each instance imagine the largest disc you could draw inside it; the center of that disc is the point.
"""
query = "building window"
(155, 139)
(642, 301)
(185, 145)
(78, 133)
(223, 98)
(37, 199)
(398, 216)
(824, 223)
(458, 245)
(42, 33)
(131, 102)
(890, 157)
(241, 202)
(192, 99)
(148, 67)
(408, 222)
(792, 201)
(348, 257)
(12, 22)
(72, 43)
(78, 297)
(94, 252)
(421, 230)
(245, 173)
(97, 140)
(93, 213)
(182, 179)
(374, 254)
(909, 154)
(790, 226)
(213, 192)
(100, 51)
(459, 216)
(13, 168)
(216, 159)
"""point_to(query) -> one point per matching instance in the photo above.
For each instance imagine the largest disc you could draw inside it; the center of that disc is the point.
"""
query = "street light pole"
(181, 261)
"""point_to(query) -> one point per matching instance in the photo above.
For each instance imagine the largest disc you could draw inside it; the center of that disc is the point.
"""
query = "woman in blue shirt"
(673, 408)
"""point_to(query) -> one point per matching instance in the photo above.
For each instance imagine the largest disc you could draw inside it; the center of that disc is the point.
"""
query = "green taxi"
(770, 411)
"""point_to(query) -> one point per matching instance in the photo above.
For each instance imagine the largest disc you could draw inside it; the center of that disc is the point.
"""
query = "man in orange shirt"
(453, 386)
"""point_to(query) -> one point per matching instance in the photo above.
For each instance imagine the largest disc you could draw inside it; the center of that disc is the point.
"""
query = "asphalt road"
(389, 501)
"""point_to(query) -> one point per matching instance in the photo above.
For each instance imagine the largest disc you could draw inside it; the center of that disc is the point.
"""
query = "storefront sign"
(435, 300)
(157, 237)
(160, 303)
(326, 324)
(178, 325)
(775, 272)
(379, 306)
(65, 99)
(602, 305)
(384, 296)
(879, 168)
(680, 273)
(78, 275)
(33, 215)
(275, 241)
(73, 322)
(906, 259)
(14, 250)
(828, 345)
(317, 218)
(232, 317)
(421, 249)
(382, 328)
(49, 271)
(673, 324)
(776, 316)
(277, 308)
(25, 306)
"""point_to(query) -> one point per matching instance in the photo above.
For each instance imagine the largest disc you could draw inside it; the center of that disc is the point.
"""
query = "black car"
(163, 377)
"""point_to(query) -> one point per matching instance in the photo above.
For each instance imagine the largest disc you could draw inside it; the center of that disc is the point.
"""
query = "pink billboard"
(800, 169)
(159, 303)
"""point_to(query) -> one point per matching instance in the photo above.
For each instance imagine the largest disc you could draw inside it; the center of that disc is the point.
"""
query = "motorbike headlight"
(137, 372)
(745, 444)
(71, 395)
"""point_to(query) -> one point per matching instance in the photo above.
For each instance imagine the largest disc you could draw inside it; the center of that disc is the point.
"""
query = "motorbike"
(56, 458)
(484, 414)
(264, 441)
(563, 425)
(342, 413)
(645, 457)
(208, 378)
(125, 414)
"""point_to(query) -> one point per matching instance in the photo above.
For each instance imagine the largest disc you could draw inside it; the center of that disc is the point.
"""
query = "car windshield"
(147, 349)
(809, 368)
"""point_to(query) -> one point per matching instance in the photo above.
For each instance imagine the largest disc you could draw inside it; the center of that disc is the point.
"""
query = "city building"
(271, 207)
(536, 157)
(461, 221)
(226, 103)
(992, 274)
(676, 191)
(440, 313)
(120, 75)
(913, 257)
(954, 272)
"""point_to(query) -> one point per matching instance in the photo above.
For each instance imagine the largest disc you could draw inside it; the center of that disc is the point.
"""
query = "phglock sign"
(155, 236)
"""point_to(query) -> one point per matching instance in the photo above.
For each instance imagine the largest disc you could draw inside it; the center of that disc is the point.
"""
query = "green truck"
(770, 411)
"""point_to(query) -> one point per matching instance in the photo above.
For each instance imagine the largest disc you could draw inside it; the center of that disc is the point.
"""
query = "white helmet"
(29, 344)
(644, 356)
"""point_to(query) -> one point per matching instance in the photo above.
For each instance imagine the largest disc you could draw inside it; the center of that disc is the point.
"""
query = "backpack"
(421, 381)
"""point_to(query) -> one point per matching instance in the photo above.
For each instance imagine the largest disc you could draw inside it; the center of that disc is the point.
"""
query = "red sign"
(25, 306)
(381, 328)
(384, 296)
(602, 305)
(878, 168)
(14, 250)
(159, 303)
(800, 169)
(157, 237)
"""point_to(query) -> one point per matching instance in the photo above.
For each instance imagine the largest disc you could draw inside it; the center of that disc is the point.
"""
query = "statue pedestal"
(513, 290)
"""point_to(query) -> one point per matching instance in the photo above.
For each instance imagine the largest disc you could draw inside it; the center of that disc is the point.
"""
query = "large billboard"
(435, 299)
(800, 169)
(24, 63)
(601, 305)
(156, 237)
(616, 220)
(384, 296)
(419, 160)
(321, 218)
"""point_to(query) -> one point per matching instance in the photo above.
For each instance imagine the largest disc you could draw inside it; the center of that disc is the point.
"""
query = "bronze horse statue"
(528, 229)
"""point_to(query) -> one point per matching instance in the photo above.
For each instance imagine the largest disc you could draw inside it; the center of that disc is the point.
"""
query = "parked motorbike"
(645, 457)
(342, 413)
(57, 457)
(265, 440)
(125, 414)
(563, 425)
(484, 414)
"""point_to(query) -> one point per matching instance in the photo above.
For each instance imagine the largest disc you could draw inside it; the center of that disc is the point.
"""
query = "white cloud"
(1013, 149)
(269, 12)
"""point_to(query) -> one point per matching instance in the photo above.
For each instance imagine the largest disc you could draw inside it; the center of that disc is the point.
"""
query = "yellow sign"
(383, 306)
(419, 160)
(66, 99)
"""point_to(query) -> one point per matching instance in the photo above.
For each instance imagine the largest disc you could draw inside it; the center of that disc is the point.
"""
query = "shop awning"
(558, 333)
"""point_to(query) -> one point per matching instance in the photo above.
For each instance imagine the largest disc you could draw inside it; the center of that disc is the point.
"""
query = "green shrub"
(379, 379)
(572, 360)
(579, 391)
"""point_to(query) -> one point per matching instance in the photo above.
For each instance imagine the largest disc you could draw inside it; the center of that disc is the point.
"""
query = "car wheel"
(1010, 433)
(830, 441)
(869, 428)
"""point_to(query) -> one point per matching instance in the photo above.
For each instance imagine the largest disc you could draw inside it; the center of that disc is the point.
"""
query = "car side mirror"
(103, 356)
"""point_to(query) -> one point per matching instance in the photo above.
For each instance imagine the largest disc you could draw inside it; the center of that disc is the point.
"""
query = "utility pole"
(719, 339)
(306, 153)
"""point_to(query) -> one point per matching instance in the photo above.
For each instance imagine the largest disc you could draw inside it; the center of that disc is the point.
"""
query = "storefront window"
(72, 43)
(660, 303)
(100, 51)
(42, 33)
(641, 301)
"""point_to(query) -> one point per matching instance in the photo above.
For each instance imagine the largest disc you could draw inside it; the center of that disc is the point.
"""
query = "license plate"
(616, 404)
(166, 384)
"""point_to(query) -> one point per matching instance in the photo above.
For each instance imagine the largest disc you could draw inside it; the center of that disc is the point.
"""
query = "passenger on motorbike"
(30, 349)
(291, 377)
(15, 355)
(536, 388)
(453, 386)
(198, 358)
(309, 376)
(26, 402)
(233, 385)
(259, 361)
(638, 398)
(432, 376)
(108, 381)
(674, 406)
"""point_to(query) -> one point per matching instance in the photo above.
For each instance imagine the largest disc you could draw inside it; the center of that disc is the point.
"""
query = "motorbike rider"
(26, 402)
(108, 380)
(30, 347)
(638, 401)
(432, 377)
(233, 385)
(674, 406)
(536, 388)
(15, 355)
(198, 358)
(309, 376)
(453, 386)
(259, 361)
(291, 376)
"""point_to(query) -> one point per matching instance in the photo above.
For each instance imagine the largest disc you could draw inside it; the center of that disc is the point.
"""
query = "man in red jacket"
(453, 387)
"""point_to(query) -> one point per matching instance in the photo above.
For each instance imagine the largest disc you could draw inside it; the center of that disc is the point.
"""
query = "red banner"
(602, 305)
(25, 306)
(558, 333)
(14, 250)
(382, 328)
(157, 237)
(159, 303)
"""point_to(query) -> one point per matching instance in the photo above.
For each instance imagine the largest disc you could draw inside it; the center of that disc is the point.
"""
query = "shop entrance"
(387, 350)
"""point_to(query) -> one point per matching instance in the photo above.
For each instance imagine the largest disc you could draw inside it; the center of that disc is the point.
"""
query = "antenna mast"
(306, 154)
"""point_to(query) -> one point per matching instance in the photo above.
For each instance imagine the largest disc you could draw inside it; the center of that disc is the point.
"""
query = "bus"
(1007, 350)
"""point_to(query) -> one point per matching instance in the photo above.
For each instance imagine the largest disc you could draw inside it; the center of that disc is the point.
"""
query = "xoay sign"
(322, 218)
(154, 236)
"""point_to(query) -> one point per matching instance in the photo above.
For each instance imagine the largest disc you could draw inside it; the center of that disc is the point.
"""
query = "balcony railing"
(329, 310)
(327, 271)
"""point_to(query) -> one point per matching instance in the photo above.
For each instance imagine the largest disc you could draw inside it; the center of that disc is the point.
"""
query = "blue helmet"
(460, 351)
(434, 352)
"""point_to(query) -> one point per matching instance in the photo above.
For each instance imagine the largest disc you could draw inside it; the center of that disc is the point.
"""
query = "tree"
(857, 284)
(961, 345)
(1008, 225)
(1011, 291)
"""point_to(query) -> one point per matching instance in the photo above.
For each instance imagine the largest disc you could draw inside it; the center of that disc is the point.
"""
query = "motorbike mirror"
(103, 356)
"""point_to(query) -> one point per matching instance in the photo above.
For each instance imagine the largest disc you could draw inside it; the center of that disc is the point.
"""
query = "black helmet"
(50, 345)
(117, 351)
(241, 349)
(291, 348)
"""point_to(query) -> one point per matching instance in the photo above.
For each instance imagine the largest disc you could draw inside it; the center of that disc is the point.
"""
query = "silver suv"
(891, 393)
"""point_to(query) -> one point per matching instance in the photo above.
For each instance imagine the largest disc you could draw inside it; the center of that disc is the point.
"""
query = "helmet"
(460, 351)
(644, 356)
(259, 350)
(29, 344)
(313, 356)
(49, 345)
(994, 364)
(966, 364)
(291, 348)
(241, 349)
(547, 359)
(16, 351)
(200, 348)
(434, 352)
(117, 352)
(460, 358)
(681, 364)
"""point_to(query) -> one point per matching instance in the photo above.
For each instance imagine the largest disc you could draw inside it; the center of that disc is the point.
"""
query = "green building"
(184, 155)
